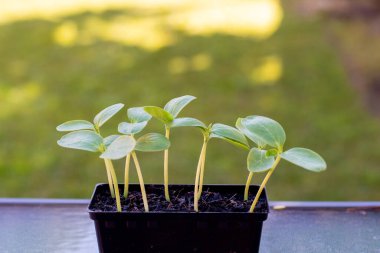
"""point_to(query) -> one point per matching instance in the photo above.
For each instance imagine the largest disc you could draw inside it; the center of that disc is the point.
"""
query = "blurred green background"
(311, 67)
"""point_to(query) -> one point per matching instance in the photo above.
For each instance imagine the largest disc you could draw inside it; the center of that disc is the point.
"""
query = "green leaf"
(159, 114)
(187, 122)
(229, 134)
(137, 114)
(258, 161)
(131, 128)
(75, 125)
(263, 130)
(305, 158)
(119, 148)
(103, 116)
(109, 139)
(247, 133)
(152, 142)
(272, 152)
(176, 105)
(83, 140)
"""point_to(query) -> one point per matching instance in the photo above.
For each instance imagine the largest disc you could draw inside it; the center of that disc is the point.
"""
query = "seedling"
(267, 134)
(220, 131)
(85, 135)
(125, 145)
(167, 115)
(270, 139)
(138, 119)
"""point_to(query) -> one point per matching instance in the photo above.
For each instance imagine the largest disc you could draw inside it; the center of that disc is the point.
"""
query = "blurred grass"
(45, 81)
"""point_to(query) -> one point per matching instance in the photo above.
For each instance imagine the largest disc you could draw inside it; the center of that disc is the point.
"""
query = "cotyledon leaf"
(263, 130)
(107, 113)
(84, 140)
(175, 106)
(138, 114)
(247, 133)
(229, 134)
(119, 148)
(75, 125)
(187, 122)
(259, 161)
(159, 114)
(109, 139)
(305, 158)
(131, 128)
(152, 142)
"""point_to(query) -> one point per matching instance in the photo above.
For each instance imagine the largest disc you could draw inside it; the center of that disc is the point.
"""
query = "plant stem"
(109, 180)
(197, 176)
(109, 176)
(115, 183)
(141, 180)
(278, 158)
(202, 171)
(246, 190)
(126, 175)
(166, 166)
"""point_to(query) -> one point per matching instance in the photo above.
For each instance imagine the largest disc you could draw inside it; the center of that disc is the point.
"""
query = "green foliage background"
(43, 84)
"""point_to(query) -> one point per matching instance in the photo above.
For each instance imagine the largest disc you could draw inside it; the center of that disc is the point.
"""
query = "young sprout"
(85, 135)
(270, 138)
(220, 131)
(124, 145)
(138, 119)
(167, 115)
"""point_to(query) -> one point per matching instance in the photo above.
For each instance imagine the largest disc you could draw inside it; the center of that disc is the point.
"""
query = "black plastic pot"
(179, 232)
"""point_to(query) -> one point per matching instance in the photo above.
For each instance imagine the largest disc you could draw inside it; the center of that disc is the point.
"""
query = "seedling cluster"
(264, 152)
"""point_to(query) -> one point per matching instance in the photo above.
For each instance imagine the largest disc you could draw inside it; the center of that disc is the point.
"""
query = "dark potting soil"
(180, 201)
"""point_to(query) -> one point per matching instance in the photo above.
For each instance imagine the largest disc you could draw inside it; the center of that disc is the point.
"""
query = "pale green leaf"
(109, 139)
(229, 134)
(83, 140)
(138, 114)
(247, 133)
(258, 161)
(75, 125)
(305, 158)
(103, 116)
(119, 148)
(159, 114)
(176, 105)
(264, 130)
(187, 122)
(152, 142)
(131, 128)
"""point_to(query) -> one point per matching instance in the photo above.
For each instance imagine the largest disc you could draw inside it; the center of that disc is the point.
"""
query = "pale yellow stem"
(202, 172)
(247, 184)
(264, 183)
(196, 184)
(115, 184)
(141, 180)
(110, 180)
(126, 175)
(166, 167)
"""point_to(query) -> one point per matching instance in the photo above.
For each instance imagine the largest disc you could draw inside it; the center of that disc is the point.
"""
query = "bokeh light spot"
(66, 34)
(268, 72)
(201, 62)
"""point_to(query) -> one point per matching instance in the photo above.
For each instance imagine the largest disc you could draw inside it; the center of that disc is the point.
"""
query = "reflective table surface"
(55, 225)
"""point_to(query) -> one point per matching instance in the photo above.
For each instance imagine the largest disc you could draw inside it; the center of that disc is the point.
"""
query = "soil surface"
(181, 201)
